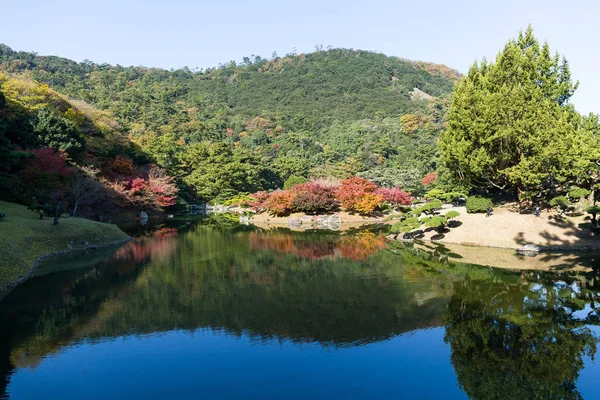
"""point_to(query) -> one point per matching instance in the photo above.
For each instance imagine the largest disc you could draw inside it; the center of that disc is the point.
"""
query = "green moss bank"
(25, 239)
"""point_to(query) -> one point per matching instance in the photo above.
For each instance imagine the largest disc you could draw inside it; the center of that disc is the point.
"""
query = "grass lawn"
(24, 238)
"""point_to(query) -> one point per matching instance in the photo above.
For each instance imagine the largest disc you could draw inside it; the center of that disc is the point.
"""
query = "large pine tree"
(510, 125)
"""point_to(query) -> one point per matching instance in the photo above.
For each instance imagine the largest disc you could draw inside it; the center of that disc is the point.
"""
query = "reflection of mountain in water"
(328, 288)
(336, 290)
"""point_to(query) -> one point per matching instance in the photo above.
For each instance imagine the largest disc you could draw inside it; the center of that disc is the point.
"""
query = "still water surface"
(232, 312)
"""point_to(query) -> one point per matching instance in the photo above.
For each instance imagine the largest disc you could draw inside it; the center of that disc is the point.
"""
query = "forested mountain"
(248, 126)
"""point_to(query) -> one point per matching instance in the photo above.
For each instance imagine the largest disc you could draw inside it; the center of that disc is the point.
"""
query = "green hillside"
(250, 126)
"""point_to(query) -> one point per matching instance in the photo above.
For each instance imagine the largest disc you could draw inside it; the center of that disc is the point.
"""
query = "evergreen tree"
(510, 125)
(57, 132)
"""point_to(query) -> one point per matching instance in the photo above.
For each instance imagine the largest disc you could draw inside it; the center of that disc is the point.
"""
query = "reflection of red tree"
(165, 232)
(280, 243)
(158, 248)
(356, 247)
(315, 250)
(361, 246)
(287, 244)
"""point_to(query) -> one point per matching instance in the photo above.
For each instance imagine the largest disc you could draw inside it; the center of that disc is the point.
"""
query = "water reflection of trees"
(157, 247)
(277, 284)
(509, 333)
(520, 340)
(316, 245)
(231, 280)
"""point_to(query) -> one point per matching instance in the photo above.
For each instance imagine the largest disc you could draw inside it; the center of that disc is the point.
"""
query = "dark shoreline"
(36, 263)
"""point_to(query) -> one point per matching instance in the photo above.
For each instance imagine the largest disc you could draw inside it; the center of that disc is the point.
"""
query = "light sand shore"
(492, 241)
(507, 228)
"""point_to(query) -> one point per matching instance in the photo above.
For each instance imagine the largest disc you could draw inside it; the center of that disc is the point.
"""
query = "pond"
(213, 311)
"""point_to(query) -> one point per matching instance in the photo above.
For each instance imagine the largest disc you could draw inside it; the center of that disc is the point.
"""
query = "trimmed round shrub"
(594, 210)
(478, 204)
(451, 214)
(560, 202)
(577, 193)
(428, 208)
(436, 222)
(435, 194)
(406, 225)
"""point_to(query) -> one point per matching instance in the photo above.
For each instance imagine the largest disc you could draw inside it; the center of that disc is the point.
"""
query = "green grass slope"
(24, 238)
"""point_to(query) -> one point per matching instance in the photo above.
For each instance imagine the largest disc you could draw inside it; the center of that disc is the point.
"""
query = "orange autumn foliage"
(280, 203)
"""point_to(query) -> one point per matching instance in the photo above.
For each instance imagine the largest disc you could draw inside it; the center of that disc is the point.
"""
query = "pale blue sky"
(176, 33)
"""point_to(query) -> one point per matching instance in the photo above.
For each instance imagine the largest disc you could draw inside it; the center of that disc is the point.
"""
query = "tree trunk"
(520, 193)
(75, 208)
(57, 213)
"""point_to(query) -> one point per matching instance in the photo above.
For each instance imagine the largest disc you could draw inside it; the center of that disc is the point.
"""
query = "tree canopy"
(511, 126)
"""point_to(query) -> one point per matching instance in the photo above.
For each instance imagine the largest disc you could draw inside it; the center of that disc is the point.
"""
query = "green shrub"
(436, 222)
(594, 210)
(452, 214)
(478, 204)
(428, 208)
(414, 222)
(587, 225)
(399, 228)
(241, 200)
(406, 225)
(392, 217)
(446, 197)
(561, 202)
(435, 194)
(577, 193)
(385, 208)
(451, 197)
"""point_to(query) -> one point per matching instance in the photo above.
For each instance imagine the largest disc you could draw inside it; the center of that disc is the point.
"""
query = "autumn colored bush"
(122, 165)
(155, 191)
(395, 197)
(325, 196)
(258, 199)
(163, 188)
(46, 168)
(367, 203)
(358, 195)
(279, 203)
(312, 198)
(429, 178)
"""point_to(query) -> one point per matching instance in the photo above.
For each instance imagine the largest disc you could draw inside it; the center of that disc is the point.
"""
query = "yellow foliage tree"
(410, 124)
